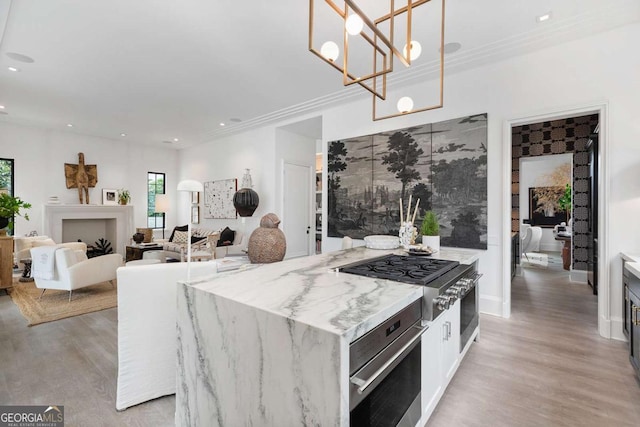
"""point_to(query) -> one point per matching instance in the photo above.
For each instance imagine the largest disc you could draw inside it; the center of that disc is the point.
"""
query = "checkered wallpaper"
(557, 137)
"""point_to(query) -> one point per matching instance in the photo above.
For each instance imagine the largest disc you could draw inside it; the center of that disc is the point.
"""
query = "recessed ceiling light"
(221, 124)
(1, 107)
(544, 17)
(123, 134)
(69, 125)
(20, 57)
(451, 47)
(175, 140)
(14, 69)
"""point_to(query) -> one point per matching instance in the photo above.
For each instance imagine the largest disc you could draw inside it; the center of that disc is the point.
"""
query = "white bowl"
(381, 242)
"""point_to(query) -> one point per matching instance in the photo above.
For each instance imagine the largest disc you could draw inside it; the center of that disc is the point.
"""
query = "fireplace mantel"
(54, 214)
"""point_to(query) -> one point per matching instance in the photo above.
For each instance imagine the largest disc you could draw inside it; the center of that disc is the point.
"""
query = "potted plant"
(10, 207)
(565, 201)
(123, 196)
(430, 230)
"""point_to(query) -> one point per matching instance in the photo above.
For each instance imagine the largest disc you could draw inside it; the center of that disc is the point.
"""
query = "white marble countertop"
(311, 291)
(631, 257)
(633, 268)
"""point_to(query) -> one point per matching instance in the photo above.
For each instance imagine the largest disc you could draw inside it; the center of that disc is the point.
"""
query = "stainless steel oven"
(385, 372)
(468, 295)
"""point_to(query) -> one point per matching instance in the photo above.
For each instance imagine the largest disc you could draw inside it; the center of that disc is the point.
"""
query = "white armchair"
(23, 246)
(72, 270)
(531, 240)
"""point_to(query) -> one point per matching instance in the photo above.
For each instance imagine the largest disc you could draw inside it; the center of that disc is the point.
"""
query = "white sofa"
(147, 338)
(23, 246)
(74, 271)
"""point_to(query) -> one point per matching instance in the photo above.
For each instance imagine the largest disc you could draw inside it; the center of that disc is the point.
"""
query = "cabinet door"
(451, 341)
(431, 371)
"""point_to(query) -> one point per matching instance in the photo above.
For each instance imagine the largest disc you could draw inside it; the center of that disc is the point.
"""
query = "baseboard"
(579, 276)
(491, 305)
(615, 327)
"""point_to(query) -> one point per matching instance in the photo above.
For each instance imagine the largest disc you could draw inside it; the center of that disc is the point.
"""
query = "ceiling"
(159, 70)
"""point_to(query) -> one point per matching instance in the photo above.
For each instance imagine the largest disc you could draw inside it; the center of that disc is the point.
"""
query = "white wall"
(532, 172)
(228, 158)
(594, 70)
(40, 156)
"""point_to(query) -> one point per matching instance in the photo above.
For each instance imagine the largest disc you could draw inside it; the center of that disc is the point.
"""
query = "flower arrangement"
(123, 196)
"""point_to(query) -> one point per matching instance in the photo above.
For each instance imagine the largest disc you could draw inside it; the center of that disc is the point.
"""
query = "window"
(6, 175)
(155, 185)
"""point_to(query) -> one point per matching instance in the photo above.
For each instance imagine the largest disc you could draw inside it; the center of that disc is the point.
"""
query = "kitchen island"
(269, 345)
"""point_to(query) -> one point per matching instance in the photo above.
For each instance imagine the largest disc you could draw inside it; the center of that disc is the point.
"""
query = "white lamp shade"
(162, 203)
(405, 104)
(190, 185)
(330, 50)
(354, 24)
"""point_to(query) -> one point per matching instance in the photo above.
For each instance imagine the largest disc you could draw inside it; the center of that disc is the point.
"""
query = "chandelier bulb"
(405, 104)
(330, 51)
(415, 49)
(354, 24)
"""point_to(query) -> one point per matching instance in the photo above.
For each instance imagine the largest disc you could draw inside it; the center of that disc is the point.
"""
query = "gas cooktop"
(407, 269)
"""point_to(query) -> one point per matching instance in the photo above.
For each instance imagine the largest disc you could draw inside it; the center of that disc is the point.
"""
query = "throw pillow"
(180, 237)
(226, 237)
(178, 228)
(196, 239)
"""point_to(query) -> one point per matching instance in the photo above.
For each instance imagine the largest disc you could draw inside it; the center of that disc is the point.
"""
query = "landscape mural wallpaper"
(443, 164)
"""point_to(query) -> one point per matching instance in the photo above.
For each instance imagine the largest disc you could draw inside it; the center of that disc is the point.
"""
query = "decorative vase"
(123, 202)
(138, 238)
(406, 234)
(431, 241)
(4, 222)
(267, 243)
(246, 200)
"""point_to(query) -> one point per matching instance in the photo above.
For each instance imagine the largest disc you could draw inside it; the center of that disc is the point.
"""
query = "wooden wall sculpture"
(81, 176)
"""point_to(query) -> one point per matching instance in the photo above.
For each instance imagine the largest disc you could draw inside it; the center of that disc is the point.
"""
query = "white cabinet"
(440, 358)
(431, 368)
(450, 342)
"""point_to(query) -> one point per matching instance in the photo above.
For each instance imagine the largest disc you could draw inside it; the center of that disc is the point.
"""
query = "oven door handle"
(363, 384)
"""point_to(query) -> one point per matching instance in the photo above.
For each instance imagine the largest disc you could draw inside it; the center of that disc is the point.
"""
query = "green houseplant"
(565, 201)
(123, 196)
(10, 207)
(430, 230)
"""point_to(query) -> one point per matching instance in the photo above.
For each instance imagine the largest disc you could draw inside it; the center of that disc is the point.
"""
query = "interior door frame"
(605, 325)
(310, 211)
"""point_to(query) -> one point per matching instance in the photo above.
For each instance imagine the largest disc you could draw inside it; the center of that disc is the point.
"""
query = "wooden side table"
(6, 262)
(134, 252)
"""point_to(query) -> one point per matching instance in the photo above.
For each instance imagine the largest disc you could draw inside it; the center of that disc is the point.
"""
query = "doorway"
(537, 145)
(296, 221)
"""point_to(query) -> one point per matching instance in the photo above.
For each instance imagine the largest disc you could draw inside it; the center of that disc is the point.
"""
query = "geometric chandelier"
(374, 33)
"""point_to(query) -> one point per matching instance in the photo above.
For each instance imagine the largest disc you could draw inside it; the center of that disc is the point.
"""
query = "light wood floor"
(546, 366)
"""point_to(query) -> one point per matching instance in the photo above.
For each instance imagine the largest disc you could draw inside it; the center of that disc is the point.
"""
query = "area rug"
(535, 259)
(55, 305)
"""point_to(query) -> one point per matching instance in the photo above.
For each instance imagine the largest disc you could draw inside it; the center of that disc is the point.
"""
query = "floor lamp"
(189, 185)
(162, 206)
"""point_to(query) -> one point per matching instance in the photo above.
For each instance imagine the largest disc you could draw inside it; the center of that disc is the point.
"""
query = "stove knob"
(442, 302)
(453, 291)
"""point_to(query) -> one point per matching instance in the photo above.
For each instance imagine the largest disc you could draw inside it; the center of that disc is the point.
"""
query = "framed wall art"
(109, 196)
(218, 199)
